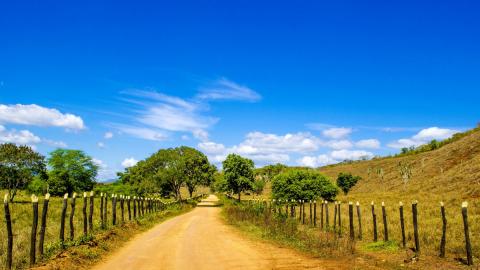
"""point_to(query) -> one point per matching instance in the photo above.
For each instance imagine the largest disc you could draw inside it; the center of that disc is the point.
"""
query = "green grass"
(390, 246)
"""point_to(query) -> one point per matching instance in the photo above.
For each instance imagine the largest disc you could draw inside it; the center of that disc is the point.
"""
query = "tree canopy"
(71, 170)
(346, 181)
(18, 166)
(303, 185)
(167, 170)
(238, 174)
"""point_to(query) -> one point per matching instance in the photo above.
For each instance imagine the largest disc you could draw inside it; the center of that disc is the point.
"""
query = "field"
(450, 174)
(21, 215)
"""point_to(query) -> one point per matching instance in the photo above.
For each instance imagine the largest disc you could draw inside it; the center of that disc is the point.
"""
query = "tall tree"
(18, 166)
(71, 170)
(238, 173)
(198, 171)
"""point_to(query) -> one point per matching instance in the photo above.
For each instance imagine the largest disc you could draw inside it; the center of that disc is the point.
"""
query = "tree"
(268, 172)
(303, 185)
(198, 171)
(346, 181)
(258, 186)
(238, 173)
(71, 170)
(18, 166)
(167, 170)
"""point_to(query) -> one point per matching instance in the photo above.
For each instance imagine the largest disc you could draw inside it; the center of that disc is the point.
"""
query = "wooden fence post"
(311, 216)
(339, 205)
(62, 219)
(322, 204)
(43, 224)
(122, 207)
(385, 224)
(142, 200)
(128, 208)
(90, 218)
(315, 213)
(134, 207)
(101, 211)
(415, 228)
(114, 209)
(105, 210)
(444, 231)
(33, 235)
(292, 209)
(327, 222)
(72, 214)
(335, 213)
(8, 221)
(303, 212)
(359, 216)
(402, 225)
(468, 245)
(84, 211)
(350, 219)
(374, 222)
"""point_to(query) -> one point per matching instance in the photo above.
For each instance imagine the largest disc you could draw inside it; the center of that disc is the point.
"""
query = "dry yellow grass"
(450, 174)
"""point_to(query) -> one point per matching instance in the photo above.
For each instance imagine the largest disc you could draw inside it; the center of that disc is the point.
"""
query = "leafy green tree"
(258, 186)
(270, 171)
(71, 170)
(198, 171)
(238, 173)
(346, 181)
(303, 185)
(167, 170)
(18, 166)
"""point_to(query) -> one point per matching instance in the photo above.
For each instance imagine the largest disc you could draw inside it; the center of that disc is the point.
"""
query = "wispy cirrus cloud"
(157, 113)
(224, 89)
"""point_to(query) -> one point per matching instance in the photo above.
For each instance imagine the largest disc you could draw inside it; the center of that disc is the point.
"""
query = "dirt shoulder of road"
(85, 255)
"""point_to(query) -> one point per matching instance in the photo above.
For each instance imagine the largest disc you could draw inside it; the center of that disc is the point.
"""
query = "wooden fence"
(141, 206)
(296, 210)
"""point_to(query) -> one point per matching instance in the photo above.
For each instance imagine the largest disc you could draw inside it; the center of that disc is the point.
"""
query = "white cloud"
(129, 162)
(339, 144)
(108, 135)
(423, 136)
(225, 89)
(337, 133)
(185, 137)
(99, 163)
(316, 161)
(22, 137)
(212, 148)
(144, 133)
(38, 116)
(101, 145)
(258, 142)
(434, 133)
(369, 143)
(350, 154)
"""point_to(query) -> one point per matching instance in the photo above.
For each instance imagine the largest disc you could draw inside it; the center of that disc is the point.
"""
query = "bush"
(303, 185)
(346, 181)
(38, 186)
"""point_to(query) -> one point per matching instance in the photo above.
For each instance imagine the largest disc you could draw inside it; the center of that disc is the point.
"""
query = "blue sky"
(298, 82)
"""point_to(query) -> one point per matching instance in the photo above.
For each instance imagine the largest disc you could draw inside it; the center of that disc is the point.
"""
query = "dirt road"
(200, 240)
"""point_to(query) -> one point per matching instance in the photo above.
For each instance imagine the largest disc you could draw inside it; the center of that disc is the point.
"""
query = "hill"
(450, 172)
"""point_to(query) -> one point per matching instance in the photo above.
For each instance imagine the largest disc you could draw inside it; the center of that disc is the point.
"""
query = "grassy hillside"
(450, 172)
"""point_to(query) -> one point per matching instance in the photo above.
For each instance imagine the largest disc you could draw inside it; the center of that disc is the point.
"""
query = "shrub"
(303, 185)
(346, 181)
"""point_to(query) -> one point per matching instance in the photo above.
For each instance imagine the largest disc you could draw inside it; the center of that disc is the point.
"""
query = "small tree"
(258, 186)
(303, 185)
(18, 166)
(238, 173)
(71, 170)
(198, 171)
(346, 181)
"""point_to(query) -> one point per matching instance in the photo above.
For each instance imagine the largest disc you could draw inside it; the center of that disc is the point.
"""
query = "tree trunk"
(239, 195)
